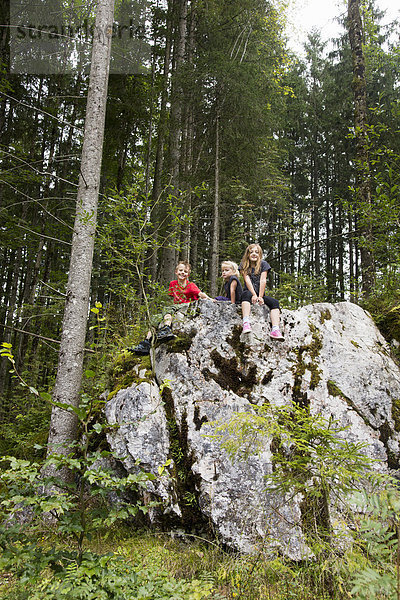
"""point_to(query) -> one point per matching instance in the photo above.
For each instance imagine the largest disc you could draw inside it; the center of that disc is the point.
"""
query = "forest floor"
(230, 576)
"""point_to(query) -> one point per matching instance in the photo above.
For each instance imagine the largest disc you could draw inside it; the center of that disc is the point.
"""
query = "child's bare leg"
(275, 317)
(168, 320)
(246, 306)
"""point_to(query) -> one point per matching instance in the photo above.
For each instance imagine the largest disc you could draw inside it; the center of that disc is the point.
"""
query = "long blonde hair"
(245, 266)
(231, 265)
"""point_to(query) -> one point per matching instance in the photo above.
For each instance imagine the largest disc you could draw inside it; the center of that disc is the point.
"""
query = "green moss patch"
(268, 377)
(187, 483)
(127, 370)
(387, 319)
(396, 413)
(238, 346)
(231, 376)
(181, 343)
(325, 316)
(312, 350)
(333, 389)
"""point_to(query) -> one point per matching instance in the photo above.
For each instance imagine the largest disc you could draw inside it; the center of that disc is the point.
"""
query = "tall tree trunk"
(360, 122)
(187, 163)
(340, 254)
(70, 364)
(162, 130)
(9, 320)
(169, 251)
(216, 219)
(315, 216)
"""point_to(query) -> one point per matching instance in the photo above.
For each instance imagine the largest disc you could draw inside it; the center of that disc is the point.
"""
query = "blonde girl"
(232, 285)
(254, 271)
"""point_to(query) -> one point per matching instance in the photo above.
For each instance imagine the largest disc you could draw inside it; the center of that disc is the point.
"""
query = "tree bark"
(162, 129)
(70, 365)
(360, 123)
(175, 139)
(216, 218)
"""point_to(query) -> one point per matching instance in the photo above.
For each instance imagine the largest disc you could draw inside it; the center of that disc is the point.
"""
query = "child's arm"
(196, 292)
(203, 296)
(263, 283)
(232, 290)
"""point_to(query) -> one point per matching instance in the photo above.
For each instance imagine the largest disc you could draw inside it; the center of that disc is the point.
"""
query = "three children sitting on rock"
(254, 271)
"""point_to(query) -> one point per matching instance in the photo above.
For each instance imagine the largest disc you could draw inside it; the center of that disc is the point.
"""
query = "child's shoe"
(246, 327)
(164, 334)
(276, 334)
(142, 348)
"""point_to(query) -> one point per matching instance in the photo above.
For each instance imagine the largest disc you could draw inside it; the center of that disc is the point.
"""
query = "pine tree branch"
(41, 337)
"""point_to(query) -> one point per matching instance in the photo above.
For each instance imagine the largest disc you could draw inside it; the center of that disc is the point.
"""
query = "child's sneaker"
(164, 334)
(143, 348)
(246, 327)
(276, 334)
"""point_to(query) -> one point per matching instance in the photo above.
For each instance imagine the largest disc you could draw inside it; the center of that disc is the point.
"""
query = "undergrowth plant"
(94, 500)
(378, 574)
(313, 464)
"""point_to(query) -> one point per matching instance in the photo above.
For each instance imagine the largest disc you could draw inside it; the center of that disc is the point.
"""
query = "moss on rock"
(312, 350)
(325, 316)
(181, 343)
(334, 390)
(237, 344)
(186, 482)
(231, 375)
(127, 370)
(396, 413)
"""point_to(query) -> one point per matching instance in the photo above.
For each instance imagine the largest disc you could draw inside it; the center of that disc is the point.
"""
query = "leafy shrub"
(108, 577)
(378, 574)
(27, 428)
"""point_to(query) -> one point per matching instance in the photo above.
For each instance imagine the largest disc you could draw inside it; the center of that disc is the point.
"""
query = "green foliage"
(127, 237)
(109, 577)
(378, 575)
(6, 352)
(384, 305)
(297, 290)
(231, 576)
(381, 213)
(26, 432)
(128, 369)
(28, 416)
(312, 461)
(33, 494)
(311, 452)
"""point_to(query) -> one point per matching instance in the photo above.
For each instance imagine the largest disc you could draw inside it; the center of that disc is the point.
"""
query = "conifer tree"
(364, 202)
(70, 365)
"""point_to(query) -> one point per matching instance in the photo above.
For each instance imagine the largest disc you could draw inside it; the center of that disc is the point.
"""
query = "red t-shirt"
(183, 295)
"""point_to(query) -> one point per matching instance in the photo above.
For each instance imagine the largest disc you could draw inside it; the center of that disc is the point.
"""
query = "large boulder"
(333, 359)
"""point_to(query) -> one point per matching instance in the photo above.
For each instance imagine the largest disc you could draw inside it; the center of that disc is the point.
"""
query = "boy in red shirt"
(182, 291)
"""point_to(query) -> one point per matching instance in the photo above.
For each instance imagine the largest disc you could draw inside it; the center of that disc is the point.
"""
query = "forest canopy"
(225, 138)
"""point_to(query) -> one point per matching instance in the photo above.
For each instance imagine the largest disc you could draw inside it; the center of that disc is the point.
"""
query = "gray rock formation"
(333, 359)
